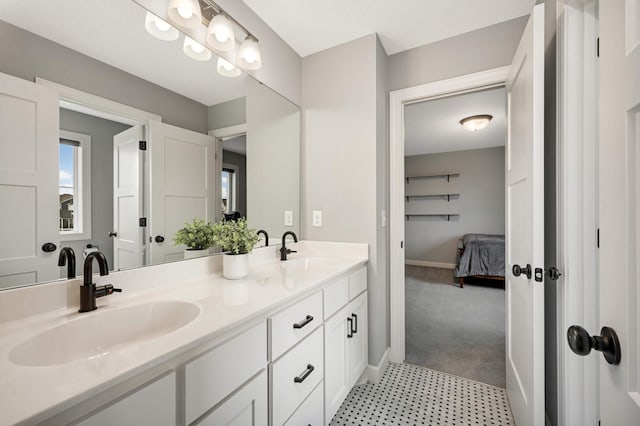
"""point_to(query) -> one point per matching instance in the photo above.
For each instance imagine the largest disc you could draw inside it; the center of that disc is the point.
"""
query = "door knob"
(159, 239)
(49, 247)
(519, 270)
(113, 234)
(581, 343)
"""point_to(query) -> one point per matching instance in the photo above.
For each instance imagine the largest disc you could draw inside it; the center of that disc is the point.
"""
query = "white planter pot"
(235, 266)
(192, 254)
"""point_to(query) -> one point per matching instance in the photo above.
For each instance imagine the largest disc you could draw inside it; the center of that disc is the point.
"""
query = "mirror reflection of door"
(234, 177)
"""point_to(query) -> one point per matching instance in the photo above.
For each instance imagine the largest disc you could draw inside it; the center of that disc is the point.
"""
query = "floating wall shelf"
(443, 215)
(435, 176)
(445, 196)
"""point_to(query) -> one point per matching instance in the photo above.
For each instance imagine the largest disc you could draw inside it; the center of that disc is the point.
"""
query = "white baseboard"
(375, 372)
(430, 264)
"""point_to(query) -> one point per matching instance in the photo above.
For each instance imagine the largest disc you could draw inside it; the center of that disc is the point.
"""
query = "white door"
(525, 226)
(619, 162)
(128, 235)
(182, 185)
(29, 217)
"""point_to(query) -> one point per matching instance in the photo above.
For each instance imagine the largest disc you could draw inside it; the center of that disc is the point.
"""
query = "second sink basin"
(96, 334)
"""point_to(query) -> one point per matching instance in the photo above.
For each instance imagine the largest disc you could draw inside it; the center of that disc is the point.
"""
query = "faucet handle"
(105, 290)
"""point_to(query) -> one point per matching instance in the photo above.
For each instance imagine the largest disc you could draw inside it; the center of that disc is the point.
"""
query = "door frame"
(398, 99)
(577, 206)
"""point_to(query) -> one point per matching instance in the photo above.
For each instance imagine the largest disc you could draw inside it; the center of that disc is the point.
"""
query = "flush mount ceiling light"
(249, 56)
(476, 122)
(159, 28)
(227, 69)
(195, 50)
(186, 13)
(220, 34)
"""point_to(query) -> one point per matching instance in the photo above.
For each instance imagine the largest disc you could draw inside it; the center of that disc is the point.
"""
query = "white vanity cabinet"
(153, 404)
(346, 343)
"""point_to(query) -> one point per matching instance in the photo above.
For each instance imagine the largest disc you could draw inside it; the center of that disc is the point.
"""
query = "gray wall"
(343, 143)
(273, 160)
(101, 132)
(227, 114)
(479, 50)
(240, 161)
(481, 203)
(27, 56)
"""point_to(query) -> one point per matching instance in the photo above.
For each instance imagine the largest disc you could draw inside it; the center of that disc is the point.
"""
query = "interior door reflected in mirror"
(130, 139)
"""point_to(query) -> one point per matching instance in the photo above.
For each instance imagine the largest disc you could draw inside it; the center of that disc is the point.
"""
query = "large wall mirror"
(82, 83)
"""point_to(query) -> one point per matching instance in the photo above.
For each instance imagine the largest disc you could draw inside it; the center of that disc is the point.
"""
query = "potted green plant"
(236, 240)
(197, 236)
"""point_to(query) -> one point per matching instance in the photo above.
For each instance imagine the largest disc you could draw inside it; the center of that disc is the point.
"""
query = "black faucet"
(68, 256)
(284, 251)
(89, 292)
(266, 236)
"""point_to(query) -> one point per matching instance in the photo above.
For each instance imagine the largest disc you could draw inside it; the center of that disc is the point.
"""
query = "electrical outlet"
(317, 218)
(288, 218)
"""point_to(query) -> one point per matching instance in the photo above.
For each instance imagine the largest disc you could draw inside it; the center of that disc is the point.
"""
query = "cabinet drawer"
(214, 375)
(357, 282)
(295, 375)
(289, 326)
(336, 295)
(247, 407)
(311, 412)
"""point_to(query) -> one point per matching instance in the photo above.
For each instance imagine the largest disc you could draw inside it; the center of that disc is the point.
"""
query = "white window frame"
(232, 186)
(82, 200)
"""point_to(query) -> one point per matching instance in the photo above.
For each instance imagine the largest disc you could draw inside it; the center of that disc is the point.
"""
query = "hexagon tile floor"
(412, 395)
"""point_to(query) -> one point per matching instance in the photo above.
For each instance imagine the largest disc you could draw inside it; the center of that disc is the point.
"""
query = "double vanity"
(182, 345)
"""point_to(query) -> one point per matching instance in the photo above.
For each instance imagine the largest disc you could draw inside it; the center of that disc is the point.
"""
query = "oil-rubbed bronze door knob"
(581, 343)
(519, 270)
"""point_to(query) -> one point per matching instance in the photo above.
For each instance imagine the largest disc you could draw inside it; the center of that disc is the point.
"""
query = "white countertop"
(30, 393)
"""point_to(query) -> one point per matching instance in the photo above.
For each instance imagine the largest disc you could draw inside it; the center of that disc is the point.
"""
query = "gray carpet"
(455, 330)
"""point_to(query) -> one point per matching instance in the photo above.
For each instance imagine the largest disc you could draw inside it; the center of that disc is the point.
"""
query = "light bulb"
(249, 55)
(184, 12)
(227, 69)
(159, 28)
(220, 35)
(195, 50)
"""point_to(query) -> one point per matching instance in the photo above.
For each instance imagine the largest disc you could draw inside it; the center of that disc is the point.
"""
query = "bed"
(480, 256)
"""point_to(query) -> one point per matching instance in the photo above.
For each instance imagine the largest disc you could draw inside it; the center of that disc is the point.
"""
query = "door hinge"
(598, 47)
(142, 222)
(401, 244)
(598, 238)
(142, 145)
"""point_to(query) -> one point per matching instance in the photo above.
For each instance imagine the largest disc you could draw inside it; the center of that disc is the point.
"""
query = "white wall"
(227, 114)
(344, 140)
(481, 201)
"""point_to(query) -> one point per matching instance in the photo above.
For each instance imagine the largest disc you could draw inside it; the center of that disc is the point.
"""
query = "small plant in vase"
(236, 240)
(197, 236)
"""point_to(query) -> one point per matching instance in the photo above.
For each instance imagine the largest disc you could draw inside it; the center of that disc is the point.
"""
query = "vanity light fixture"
(220, 34)
(227, 69)
(249, 56)
(186, 13)
(159, 28)
(195, 50)
(476, 122)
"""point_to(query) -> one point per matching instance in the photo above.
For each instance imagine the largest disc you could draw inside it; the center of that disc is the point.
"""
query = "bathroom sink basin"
(95, 335)
(306, 264)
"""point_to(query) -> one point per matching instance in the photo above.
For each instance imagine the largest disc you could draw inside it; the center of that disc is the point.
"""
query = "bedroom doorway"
(454, 234)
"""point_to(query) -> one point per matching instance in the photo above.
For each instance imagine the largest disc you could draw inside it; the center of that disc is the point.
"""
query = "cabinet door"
(336, 357)
(155, 404)
(358, 344)
(247, 407)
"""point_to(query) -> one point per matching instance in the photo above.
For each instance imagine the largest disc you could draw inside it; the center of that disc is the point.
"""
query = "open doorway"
(454, 234)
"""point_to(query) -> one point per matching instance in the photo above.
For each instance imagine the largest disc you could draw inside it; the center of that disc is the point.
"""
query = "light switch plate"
(288, 218)
(317, 218)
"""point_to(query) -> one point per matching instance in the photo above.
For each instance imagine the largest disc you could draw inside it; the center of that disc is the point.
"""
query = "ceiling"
(113, 32)
(311, 26)
(434, 126)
